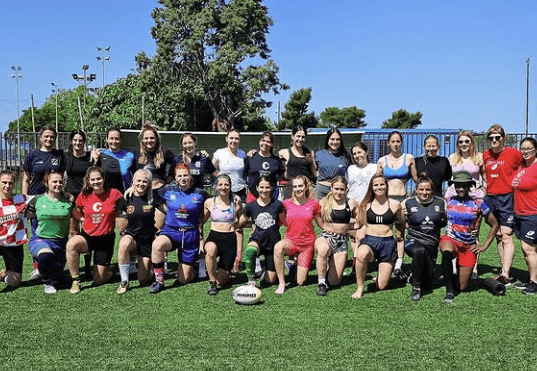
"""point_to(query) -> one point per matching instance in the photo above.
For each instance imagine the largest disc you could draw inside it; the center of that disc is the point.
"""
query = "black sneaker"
(521, 285)
(321, 289)
(449, 297)
(156, 287)
(213, 290)
(416, 293)
(531, 288)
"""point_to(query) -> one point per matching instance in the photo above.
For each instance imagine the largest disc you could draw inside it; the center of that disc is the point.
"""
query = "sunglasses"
(467, 141)
(495, 138)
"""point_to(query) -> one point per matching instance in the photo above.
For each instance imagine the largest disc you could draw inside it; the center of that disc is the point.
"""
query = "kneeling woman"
(97, 207)
(183, 206)
(222, 240)
(265, 214)
(463, 213)
(53, 212)
(377, 214)
(332, 244)
(425, 216)
(139, 234)
(301, 209)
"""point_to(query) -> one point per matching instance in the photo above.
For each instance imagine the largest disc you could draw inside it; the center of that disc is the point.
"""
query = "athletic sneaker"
(75, 287)
(502, 279)
(321, 289)
(475, 276)
(449, 297)
(521, 285)
(416, 293)
(213, 290)
(35, 275)
(49, 289)
(156, 287)
(123, 287)
(531, 289)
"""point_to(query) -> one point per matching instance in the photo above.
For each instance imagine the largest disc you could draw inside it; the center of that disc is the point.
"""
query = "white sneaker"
(35, 275)
(132, 268)
(49, 289)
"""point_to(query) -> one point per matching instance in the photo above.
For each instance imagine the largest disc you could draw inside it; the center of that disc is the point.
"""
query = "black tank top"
(298, 166)
(386, 218)
(342, 216)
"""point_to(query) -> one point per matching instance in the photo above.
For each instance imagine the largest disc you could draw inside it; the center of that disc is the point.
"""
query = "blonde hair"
(308, 189)
(328, 203)
(159, 154)
(149, 190)
(474, 156)
(368, 198)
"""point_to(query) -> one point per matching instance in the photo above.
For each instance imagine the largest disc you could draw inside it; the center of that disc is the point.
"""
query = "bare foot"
(280, 290)
(358, 293)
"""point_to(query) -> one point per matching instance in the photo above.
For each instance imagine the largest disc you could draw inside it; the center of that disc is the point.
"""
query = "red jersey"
(300, 221)
(525, 190)
(13, 220)
(99, 211)
(500, 169)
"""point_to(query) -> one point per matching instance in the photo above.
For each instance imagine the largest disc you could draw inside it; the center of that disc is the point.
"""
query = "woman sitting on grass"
(332, 244)
(377, 214)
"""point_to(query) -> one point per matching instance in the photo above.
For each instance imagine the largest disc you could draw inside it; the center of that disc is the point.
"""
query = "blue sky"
(461, 63)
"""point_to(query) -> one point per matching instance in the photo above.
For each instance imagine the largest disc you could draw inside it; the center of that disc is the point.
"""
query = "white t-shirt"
(233, 166)
(359, 179)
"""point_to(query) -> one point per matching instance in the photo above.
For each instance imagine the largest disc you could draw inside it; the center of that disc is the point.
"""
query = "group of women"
(157, 202)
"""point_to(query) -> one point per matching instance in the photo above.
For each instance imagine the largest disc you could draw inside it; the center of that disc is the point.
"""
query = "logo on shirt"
(130, 209)
(494, 167)
(97, 207)
(182, 212)
(55, 161)
(147, 208)
(265, 165)
(413, 209)
(437, 208)
(264, 221)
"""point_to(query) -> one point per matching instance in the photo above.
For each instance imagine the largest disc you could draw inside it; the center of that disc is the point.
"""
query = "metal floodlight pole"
(56, 90)
(527, 94)
(17, 75)
(103, 58)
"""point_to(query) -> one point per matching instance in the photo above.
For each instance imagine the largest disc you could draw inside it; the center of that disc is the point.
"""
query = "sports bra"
(386, 218)
(223, 216)
(341, 216)
(400, 173)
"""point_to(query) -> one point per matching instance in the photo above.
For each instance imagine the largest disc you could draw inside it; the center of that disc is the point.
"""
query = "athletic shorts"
(411, 243)
(384, 248)
(102, 247)
(338, 242)
(57, 245)
(226, 245)
(305, 253)
(465, 257)
(268, 253)
(502, 208)
(526, 228)
(143, 246)
(13, 257)
(186, 242)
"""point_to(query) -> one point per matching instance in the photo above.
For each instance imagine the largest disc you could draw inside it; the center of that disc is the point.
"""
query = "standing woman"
(97, 207)
(425, 215)
(397, 167)
(359, 174)
(501, 163)
(332, 245)
(222, 240)
(116, 163)
(12, 229)
(199, 162)
(298, 160)
(463, 214)
(331, 161)
(139, 234)
(437, 168)
(525, 207)
(35, 165)
(53, 212)
(230, 161)
(182, 205)
(377, 214)
(299, 239)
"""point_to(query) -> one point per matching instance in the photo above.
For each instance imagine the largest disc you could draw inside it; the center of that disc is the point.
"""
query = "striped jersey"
(13, 221)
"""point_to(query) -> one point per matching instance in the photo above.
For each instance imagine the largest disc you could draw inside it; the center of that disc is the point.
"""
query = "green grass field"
(184, 328)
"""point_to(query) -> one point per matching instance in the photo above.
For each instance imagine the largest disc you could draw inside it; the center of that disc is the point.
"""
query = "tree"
(205, 53)
(348, 117)
(402, 119)
(296, 111)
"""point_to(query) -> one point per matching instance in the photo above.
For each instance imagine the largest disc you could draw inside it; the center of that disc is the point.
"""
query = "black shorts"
(143, 246)
(13, 257)
(502, 208)
(226, 245)
(384, 248)
(526, 228)
(102, 247)
(242, 194)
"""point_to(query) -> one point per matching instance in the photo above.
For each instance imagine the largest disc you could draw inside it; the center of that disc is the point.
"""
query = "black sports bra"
(386, 218)
(341, 216)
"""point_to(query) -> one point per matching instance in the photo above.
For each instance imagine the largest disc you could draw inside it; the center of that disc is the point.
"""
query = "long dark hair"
(341, 151)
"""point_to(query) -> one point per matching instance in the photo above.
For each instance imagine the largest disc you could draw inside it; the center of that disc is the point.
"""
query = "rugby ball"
(246, 294)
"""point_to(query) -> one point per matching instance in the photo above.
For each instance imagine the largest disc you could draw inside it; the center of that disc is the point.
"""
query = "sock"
(75, 278)
(398, 263)
(202, 265)
(124, 272)
(258, 265)
(322, 281)
(158, 268)
(447, 270)
(249, 261)
(46, 263)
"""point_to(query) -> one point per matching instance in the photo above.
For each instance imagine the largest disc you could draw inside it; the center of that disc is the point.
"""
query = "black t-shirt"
(266, 221)
(438, 169)
(141, 216)
(159, 173)
(425, 220)
(258, 166)
(199, 165)
(76, 168)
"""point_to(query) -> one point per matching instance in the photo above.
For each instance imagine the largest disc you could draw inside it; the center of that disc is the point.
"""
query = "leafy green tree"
(348, 117)
(296, 111)
(402, 119)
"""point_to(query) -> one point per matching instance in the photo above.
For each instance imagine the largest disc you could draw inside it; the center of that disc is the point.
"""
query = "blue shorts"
(186, 242)
(502, 208)
(57, 245)
(526, 228)
(384, 248)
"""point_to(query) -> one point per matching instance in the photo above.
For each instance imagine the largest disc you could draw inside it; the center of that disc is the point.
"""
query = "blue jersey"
(118, 168)
(330, 165)
(462, 218)
(37, 163)
(184, 208)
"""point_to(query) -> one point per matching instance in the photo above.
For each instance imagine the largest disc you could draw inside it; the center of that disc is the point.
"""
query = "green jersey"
(52, 216)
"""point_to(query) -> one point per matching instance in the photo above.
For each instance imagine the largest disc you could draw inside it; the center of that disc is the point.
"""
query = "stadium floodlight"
(17, 76)
(85, 80)
(103, 58)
